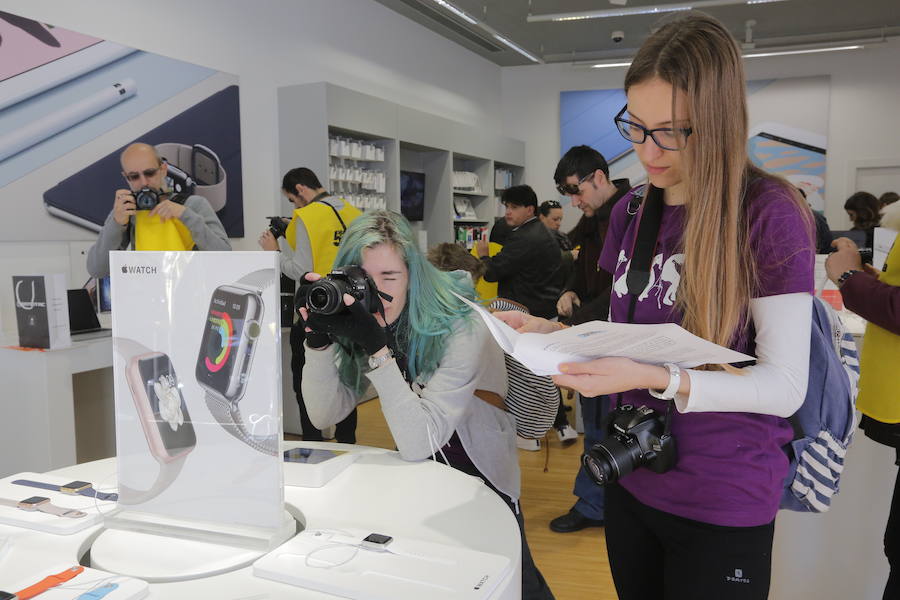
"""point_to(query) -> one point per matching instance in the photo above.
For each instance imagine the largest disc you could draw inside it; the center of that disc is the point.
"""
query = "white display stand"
(336, 562)
(379, 492)
(40, 521)
(318, 467)
(38, 427)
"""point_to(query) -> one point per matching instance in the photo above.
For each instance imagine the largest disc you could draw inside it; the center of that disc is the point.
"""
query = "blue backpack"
(825, 422)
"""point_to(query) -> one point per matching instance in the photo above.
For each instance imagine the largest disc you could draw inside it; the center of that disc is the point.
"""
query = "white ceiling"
(778, 24)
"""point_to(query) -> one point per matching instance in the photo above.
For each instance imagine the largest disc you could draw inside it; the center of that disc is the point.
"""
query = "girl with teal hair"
(440, 376)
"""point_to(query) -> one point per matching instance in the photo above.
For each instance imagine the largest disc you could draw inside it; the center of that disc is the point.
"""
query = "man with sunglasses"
(188, 224)
(583, 175)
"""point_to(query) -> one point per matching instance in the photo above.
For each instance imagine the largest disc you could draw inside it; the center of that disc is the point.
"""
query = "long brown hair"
(696, 55)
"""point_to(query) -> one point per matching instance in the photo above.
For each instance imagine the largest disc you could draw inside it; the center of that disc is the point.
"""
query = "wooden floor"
(574, 564)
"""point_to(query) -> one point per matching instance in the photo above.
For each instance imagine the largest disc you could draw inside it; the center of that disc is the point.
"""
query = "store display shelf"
(460, 220)
(469, 193)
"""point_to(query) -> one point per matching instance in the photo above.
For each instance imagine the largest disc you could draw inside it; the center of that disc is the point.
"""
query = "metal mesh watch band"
(232, 422)
(259, 279)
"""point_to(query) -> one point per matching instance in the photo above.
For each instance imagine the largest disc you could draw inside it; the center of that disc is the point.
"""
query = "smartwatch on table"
(232, 326)
(43, 585)
(82, 488)
(163, 414)
(196, 166)
(43, 504)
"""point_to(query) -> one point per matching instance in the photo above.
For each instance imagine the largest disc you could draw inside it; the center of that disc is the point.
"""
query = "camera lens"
(613, 458)
(325, 297)
(145, 199)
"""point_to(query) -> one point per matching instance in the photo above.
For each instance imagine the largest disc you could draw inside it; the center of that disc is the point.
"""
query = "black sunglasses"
(573, 189)
(148, 173)
(667, 138)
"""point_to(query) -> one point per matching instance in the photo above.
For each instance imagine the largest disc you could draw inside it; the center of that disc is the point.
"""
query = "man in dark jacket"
(524, 269)
(583, 175)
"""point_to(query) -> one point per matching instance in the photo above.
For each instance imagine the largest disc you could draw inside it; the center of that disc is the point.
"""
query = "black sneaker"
(574, 521)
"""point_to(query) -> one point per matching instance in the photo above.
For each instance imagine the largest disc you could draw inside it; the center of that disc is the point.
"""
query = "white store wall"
(864, 122)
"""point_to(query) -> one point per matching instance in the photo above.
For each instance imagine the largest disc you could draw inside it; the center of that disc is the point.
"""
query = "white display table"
(38, 415)
(379, 492)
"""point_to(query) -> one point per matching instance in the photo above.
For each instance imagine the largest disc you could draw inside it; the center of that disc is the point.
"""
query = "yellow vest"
(152, 234)
(324, 231)
(487, 290)
(879, 394)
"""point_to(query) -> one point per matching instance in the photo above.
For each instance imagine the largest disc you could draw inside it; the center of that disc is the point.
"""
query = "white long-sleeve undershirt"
(776, 385)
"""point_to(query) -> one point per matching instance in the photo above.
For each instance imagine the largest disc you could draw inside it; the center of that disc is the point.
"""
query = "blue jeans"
(590, 495)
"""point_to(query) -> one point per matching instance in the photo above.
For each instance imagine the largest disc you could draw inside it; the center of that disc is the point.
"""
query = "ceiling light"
(804, 51)
(607, 65)
(640, 10)
(517, 48)
(459, 13)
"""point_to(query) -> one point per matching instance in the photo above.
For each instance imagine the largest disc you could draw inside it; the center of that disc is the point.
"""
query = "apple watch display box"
(314, 467)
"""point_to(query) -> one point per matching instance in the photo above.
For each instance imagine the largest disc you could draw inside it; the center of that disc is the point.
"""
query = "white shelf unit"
(506, 176)
(412, 140)
(357, 167)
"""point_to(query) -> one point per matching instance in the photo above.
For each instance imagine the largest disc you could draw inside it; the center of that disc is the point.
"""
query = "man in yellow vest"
(310, 243)
(875, 296)
(161, 222)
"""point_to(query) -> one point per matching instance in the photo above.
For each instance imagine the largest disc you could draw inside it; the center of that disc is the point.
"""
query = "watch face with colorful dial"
(229, 336)
(161, 408)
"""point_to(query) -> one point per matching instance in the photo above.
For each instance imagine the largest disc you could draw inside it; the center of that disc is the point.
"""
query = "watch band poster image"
(231, 329)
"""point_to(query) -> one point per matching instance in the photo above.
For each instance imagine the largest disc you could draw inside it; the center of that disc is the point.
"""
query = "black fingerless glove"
(316, 338)
(355, 324)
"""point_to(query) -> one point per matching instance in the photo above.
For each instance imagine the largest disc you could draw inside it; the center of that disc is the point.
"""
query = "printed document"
(652, 344)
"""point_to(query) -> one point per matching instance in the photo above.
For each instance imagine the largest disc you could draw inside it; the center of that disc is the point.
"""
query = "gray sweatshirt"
(423, 419)
(200, 219)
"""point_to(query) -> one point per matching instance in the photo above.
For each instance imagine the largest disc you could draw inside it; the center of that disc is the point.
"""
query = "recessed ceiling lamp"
(487, 28)
(640, 10)
(456, 11)
(760, 54)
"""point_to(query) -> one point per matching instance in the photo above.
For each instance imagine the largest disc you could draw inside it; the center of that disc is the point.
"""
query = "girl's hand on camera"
(355, 323)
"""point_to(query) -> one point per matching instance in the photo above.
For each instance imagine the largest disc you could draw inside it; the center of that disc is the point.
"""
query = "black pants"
(345, 431)
(892, 543)
(534, 586)
(654, 554)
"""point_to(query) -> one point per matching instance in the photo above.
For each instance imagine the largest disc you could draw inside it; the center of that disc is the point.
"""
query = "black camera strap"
(336, 213)
(647, 205)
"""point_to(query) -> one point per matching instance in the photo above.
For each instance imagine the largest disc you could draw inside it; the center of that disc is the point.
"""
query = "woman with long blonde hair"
(732, 262)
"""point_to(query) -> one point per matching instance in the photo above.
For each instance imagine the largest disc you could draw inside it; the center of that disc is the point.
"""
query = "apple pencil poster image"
(54, 123)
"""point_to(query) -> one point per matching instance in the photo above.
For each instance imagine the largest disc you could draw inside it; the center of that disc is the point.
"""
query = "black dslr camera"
(638, 437)
(325, 296)
(147, 198)
(277, 226)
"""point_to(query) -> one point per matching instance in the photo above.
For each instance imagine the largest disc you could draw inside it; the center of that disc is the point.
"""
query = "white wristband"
(674, 383)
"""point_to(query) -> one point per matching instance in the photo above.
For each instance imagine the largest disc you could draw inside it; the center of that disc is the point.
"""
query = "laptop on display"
(83, 322)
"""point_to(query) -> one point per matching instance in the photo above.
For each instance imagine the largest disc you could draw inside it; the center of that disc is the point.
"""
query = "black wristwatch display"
(846, 275)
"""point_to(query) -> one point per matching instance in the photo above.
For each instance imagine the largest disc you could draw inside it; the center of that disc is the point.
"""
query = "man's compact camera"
(277, 226)
(638, 437)
(325, 296)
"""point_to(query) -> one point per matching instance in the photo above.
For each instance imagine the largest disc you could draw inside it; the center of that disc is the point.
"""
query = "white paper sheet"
(653, 344)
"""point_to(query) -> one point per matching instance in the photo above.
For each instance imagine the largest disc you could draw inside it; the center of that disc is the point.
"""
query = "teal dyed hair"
(431, 308)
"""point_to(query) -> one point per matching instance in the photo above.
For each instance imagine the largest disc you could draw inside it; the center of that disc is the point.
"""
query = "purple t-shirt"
(731, 465)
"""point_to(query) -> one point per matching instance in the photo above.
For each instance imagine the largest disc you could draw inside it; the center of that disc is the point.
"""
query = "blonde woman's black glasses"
(667, 138)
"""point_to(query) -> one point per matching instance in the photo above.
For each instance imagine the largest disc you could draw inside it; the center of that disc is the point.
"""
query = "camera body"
(638, 437)
(147, 198)
(325, 296)
(277, 226)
